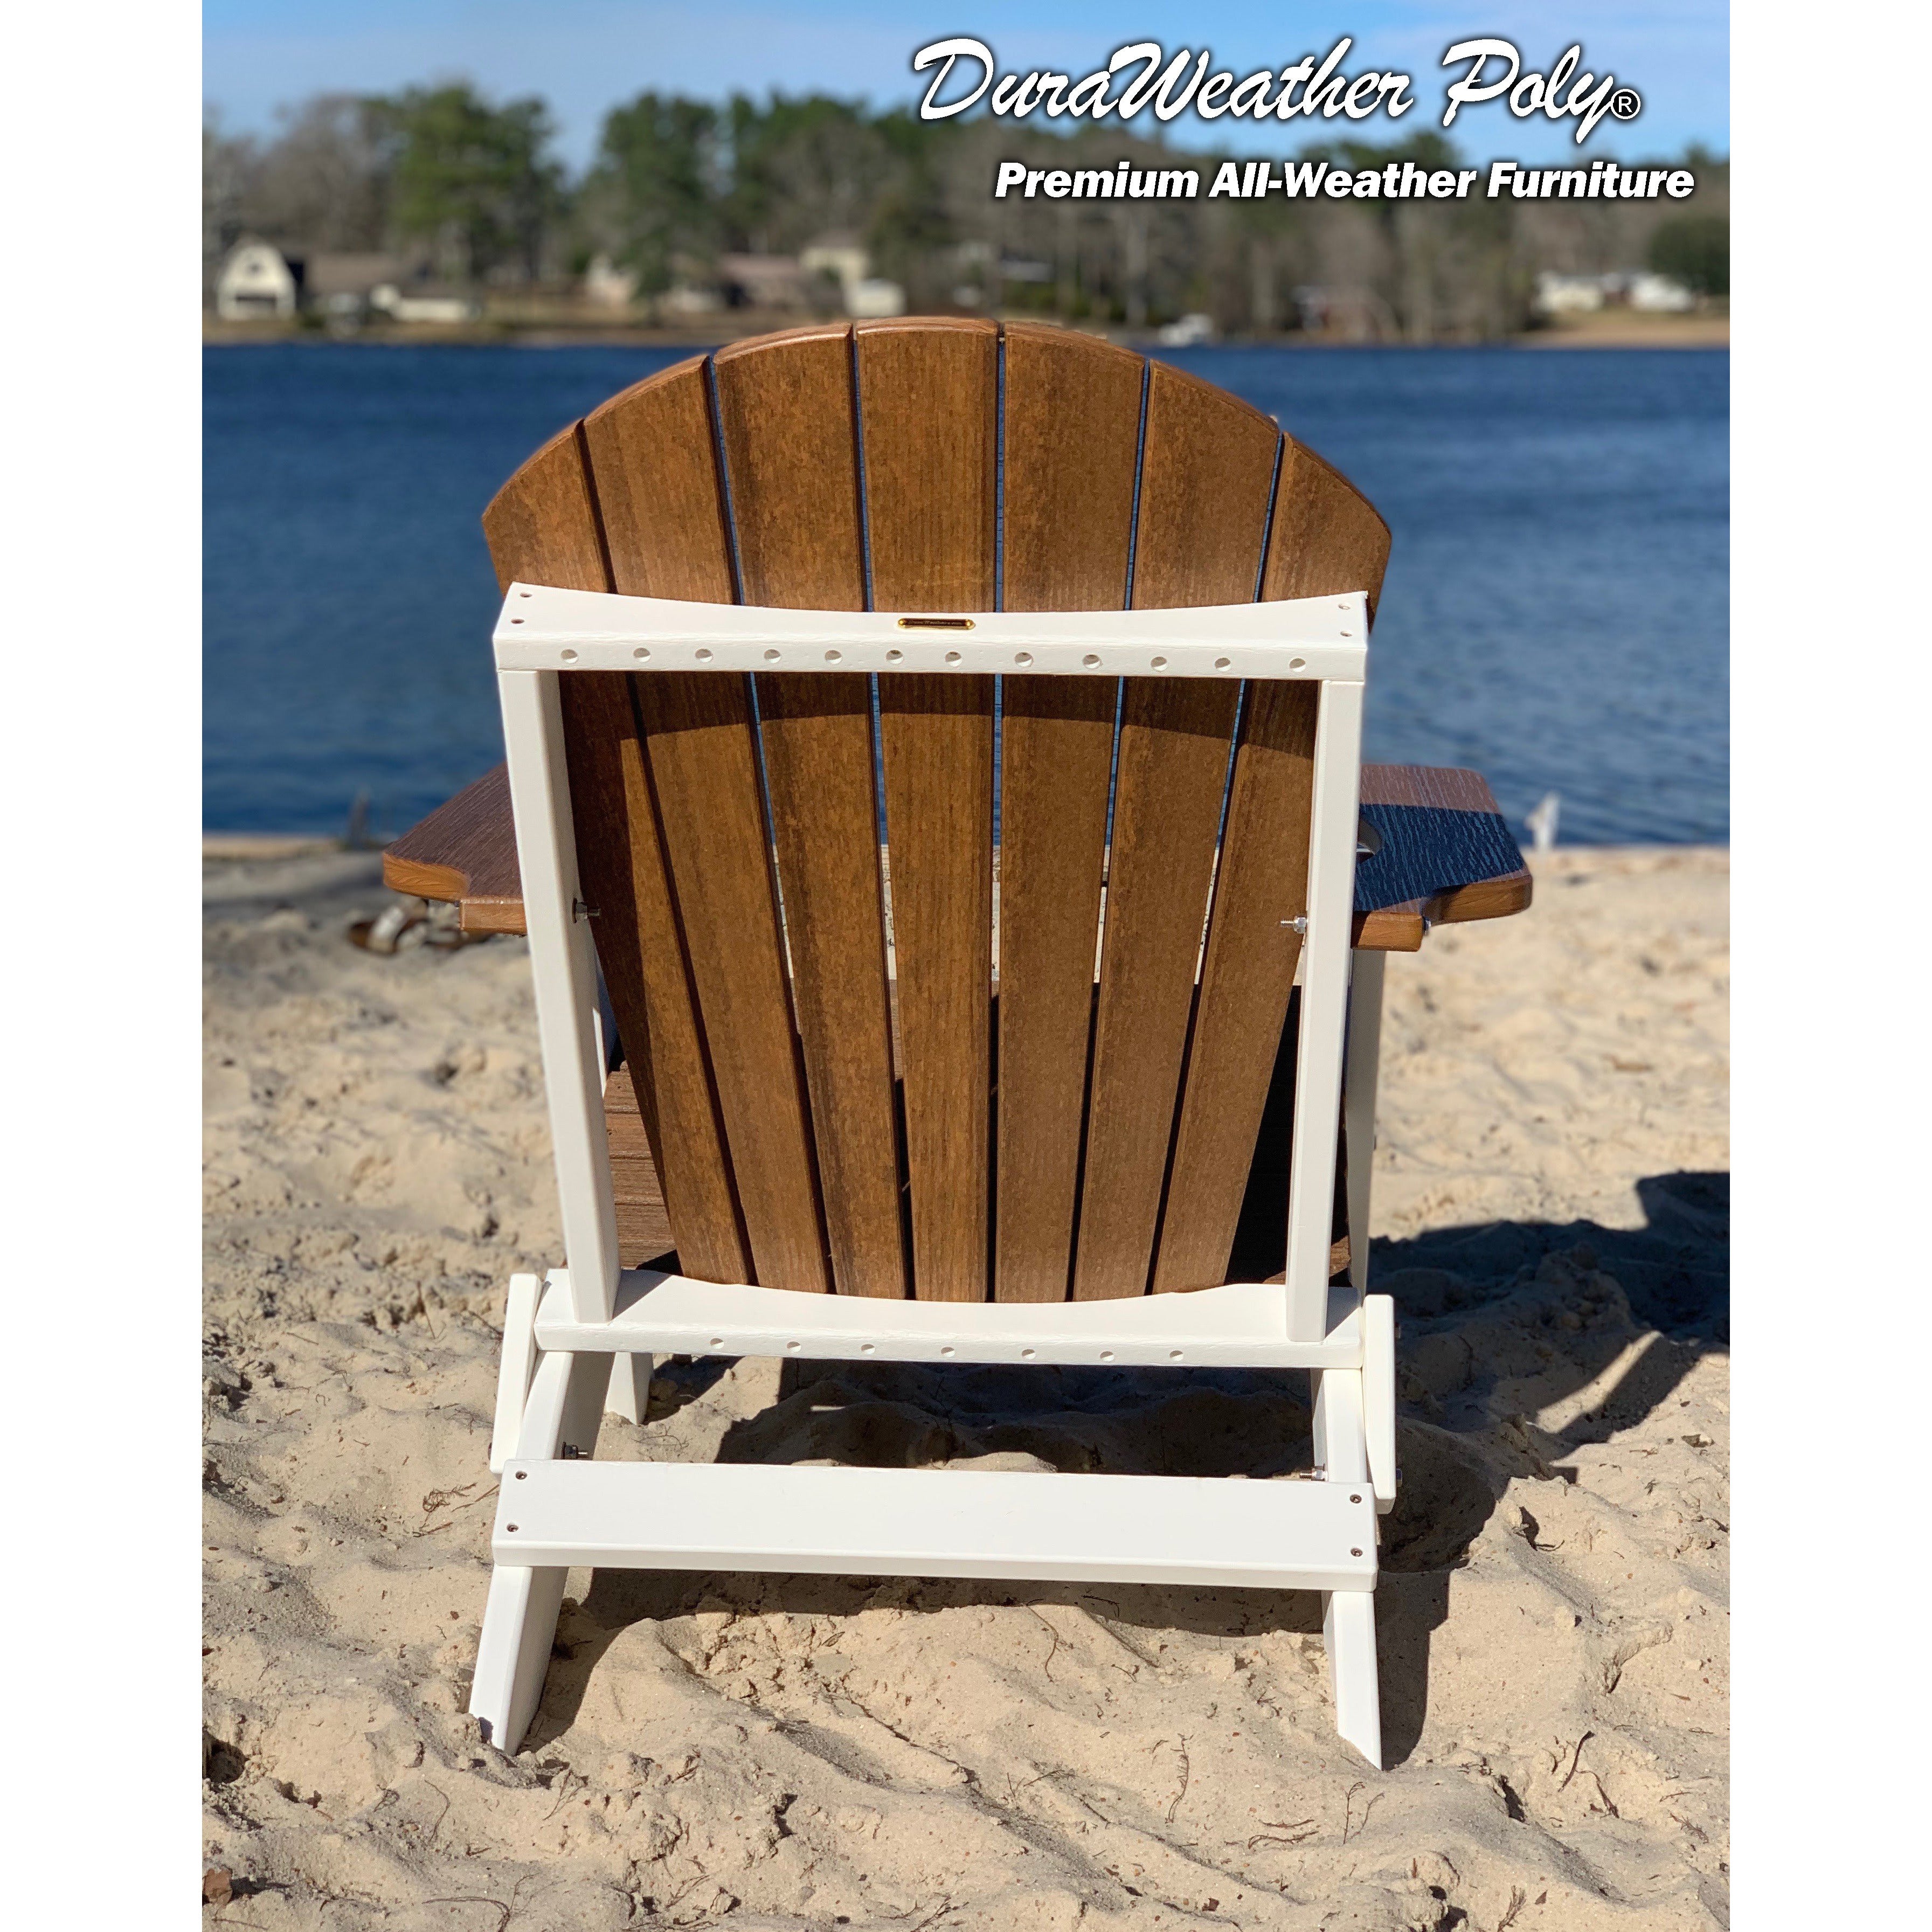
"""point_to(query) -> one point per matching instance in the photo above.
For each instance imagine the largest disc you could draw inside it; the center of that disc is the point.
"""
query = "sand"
(1552, 1208)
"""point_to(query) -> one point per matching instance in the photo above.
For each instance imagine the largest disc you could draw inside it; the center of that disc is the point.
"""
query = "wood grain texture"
(655, 471)
(542, 527)
(1206, 473)
(1327, 538)
(928, 396)
(785, 410)
(643, 1227)
(1245, 983)
(704, 774)
(1497, 895)
(465, 853)
(1056, 751)
(1450, 786)
(1072, 438)
(817, 732)
(1172, 767)
(937, 734)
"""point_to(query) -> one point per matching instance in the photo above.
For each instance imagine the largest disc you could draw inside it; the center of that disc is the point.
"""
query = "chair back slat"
(1072, 431)
(1172, 765)
(543, 527)
(1206, 475)
(787, 426)
(1245, 977)
(661, 515)
(1049, 1135)
(1326, 537)
(937, 736)
(1073, 451)
(655, 469)
(785, 418)
(704, 772)
(622, 868)
(1056, 745)
(544, 520)
(817, 732)
(1207, 468)
(928, 399)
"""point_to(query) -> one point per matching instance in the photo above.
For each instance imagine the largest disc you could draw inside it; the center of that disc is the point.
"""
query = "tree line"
(472, 188)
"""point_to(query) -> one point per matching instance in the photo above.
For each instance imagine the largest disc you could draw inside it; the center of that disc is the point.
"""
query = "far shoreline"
(1613, 331)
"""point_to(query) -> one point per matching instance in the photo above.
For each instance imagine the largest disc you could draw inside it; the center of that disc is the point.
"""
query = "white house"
(444, 307)
(256, 284)
(1570, 295)
(849, 265)
(764, 281)
(608, 286)
(1661, 294)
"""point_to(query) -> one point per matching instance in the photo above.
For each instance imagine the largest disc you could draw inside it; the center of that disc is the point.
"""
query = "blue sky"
(584, 56)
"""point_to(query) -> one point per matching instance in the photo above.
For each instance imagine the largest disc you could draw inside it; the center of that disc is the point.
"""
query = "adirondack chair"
(923, 1077)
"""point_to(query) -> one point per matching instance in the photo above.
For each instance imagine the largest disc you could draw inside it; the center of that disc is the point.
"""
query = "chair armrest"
(465, 852)
(1446, 855)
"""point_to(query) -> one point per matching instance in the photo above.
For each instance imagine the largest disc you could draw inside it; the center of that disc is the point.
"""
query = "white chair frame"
(585, 1341)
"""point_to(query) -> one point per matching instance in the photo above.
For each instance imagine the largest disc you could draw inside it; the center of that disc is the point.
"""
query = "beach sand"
(1552, 1207)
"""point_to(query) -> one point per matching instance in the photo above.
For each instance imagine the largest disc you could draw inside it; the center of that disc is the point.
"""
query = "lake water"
(1555, 612)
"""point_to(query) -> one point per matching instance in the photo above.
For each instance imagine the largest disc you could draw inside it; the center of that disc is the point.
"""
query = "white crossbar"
(1213, 1532)
(1239, 1325)
(543, 629)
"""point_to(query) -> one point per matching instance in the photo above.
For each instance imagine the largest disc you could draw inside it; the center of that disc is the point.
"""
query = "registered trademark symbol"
(1627, 104)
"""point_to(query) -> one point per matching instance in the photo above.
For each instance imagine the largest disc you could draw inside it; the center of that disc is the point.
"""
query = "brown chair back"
(854, 1077)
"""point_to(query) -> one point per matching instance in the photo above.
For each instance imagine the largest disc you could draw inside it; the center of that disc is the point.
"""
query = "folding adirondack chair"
(923, 1077)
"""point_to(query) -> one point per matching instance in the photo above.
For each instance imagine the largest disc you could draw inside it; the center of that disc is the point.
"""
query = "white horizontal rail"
(542, 628)
(1010, 1524)
(1239, 1325)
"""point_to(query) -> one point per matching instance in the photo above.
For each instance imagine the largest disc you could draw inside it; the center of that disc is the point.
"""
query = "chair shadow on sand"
(1458, 1449)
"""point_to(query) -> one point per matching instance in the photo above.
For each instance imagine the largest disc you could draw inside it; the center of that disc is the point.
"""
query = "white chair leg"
(1348, 1616)
(515, 1366)
(630, 1386)
(1348, 1629)
(565, 1406)
(1362, 1063)
(519, 1627)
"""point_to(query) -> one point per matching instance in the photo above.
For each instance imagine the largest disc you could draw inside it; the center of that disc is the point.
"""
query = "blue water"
(1555, 612)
